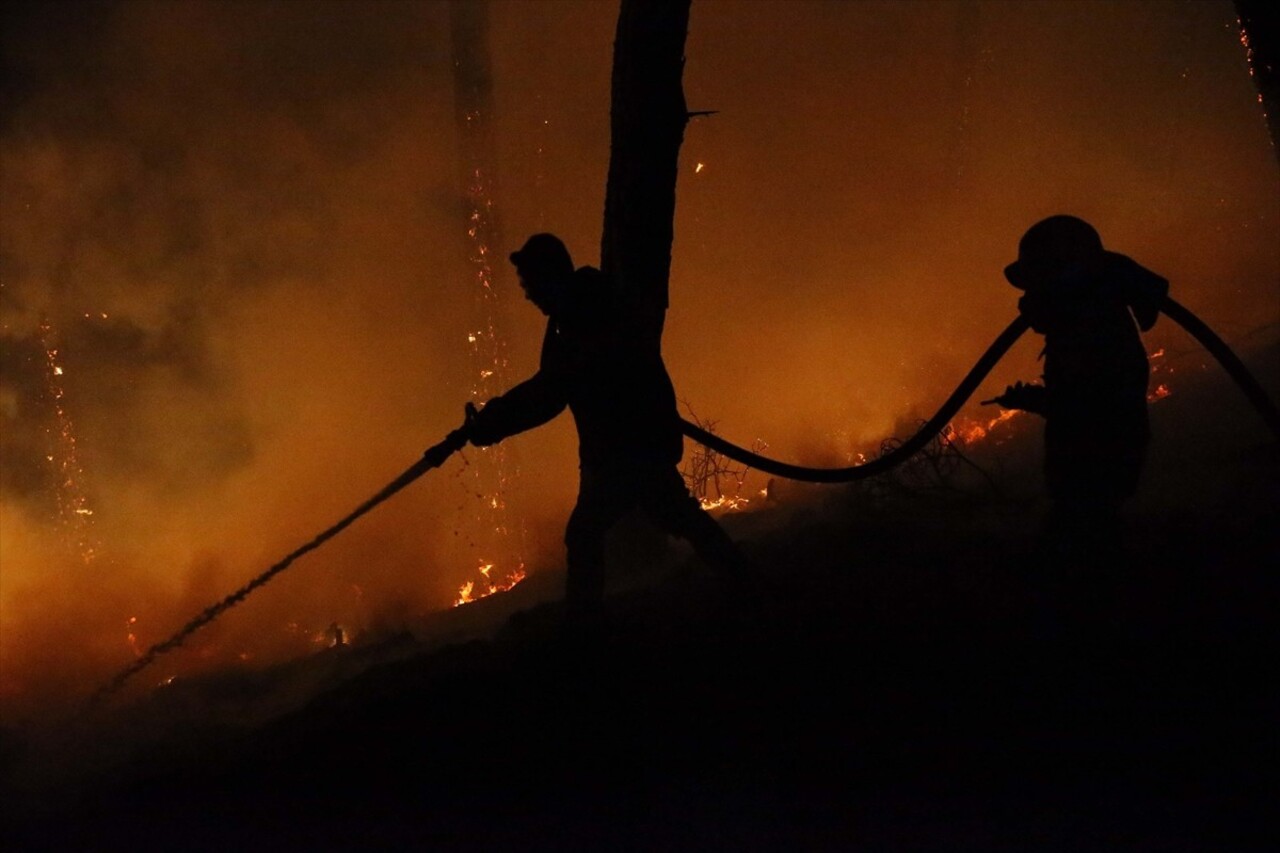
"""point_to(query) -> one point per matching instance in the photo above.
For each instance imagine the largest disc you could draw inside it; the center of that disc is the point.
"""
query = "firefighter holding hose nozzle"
(1090, 305)
(601, 358)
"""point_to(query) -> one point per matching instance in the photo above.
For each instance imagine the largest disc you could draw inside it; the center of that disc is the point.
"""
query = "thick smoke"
(243, 225)
(239, 224)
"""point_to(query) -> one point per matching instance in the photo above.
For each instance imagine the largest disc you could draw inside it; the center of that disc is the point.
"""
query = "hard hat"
(543, 253)
(1052, 246)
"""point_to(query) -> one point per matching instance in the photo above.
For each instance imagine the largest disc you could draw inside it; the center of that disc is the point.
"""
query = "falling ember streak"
(1260, 59)
(473, 112)
(1249, 57)
(73, 510)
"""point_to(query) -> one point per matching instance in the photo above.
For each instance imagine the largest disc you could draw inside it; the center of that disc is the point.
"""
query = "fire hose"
(883, 463)
(1175, 311)
(457, 439)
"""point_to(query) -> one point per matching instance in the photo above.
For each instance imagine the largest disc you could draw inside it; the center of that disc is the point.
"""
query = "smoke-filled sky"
(244, 225)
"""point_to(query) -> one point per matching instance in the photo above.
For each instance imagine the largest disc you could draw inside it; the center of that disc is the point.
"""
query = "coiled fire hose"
(456, 440)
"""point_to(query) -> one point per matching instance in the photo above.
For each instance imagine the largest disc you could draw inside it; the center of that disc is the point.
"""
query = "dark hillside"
(906, 677)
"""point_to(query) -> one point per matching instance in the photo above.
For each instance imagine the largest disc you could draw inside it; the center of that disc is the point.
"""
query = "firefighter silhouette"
(1090, 305)
(601, 358)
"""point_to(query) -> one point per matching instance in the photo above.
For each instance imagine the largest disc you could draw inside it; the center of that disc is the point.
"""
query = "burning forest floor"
(905, 677)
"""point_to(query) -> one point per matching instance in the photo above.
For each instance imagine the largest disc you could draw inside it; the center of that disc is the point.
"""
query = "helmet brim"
(1016, 274)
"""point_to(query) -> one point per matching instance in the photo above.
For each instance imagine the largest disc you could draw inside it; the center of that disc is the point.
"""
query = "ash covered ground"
(908, 677)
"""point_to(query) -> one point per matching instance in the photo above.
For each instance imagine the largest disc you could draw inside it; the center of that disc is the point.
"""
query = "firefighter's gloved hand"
(453, 442)
(1028, 398)
(482, 426)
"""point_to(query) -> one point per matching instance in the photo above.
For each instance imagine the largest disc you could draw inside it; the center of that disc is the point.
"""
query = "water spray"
(433, 458)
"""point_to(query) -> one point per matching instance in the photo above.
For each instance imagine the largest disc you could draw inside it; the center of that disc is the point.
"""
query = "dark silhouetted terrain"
(906, 678)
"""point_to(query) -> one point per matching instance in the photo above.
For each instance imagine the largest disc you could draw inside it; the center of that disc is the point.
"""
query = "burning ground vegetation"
(906, 674)
(252, 252)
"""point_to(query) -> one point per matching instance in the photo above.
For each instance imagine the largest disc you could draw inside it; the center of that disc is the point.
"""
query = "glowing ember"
(132, 637)
(1160, 368)
(1250, 60)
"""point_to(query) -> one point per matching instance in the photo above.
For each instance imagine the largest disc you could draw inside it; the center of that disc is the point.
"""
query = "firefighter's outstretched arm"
(1028, 398)
(530, 404)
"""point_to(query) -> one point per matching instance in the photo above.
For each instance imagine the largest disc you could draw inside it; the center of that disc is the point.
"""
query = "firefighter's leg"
(601, 503)
(667, 501)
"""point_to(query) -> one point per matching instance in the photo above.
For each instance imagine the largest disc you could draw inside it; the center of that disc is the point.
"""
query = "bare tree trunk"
(648, 116)
(647, 121)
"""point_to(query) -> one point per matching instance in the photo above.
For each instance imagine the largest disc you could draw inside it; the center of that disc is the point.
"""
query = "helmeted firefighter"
(1090, 304)
(601, 358)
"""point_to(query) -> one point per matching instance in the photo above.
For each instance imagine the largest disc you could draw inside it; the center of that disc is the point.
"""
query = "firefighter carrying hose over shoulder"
(1090, 304)
(601, 357)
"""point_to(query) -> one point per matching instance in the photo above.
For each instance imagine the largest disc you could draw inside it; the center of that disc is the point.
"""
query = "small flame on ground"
(973, 432)
(727, 503)
(469, 592)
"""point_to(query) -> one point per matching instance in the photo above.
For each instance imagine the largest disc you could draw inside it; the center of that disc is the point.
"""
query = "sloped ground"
(906, 676)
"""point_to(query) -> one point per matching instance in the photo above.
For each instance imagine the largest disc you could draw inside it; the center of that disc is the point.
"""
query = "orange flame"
(972, 432)
(469, 592)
